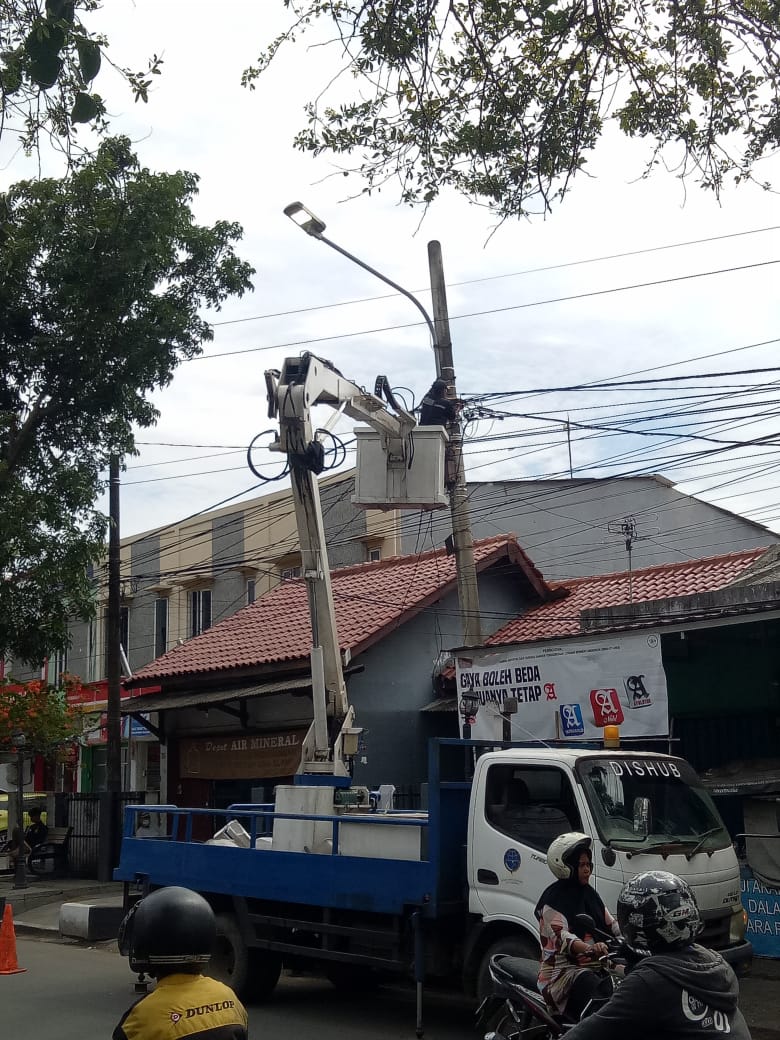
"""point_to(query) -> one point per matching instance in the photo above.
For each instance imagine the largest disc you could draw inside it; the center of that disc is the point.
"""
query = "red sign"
(606, 707)
(97, 692)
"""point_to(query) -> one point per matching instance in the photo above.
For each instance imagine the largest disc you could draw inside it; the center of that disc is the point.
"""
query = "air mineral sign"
(569, 689)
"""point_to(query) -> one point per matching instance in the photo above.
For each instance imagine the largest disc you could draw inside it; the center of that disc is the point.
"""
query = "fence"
(82, 813)
(407, 796)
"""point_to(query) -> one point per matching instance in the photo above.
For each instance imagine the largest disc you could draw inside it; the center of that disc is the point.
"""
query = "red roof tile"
(560, 618)
(370, 599)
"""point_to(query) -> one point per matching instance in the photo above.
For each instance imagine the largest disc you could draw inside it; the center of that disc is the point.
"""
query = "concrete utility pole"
(455, 474)
(110, 803)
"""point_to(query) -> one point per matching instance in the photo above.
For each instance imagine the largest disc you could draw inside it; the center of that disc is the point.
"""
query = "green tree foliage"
(504, 101)
(49, 60)
(102, 275)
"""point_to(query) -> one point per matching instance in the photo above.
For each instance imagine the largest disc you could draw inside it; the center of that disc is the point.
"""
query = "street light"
(312, 225)
(465, 567)
(20, 741)
(469, 706)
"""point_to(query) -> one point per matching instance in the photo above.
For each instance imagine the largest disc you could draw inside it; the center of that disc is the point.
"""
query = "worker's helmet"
(564, 852)
(172, 929)
(657, 911)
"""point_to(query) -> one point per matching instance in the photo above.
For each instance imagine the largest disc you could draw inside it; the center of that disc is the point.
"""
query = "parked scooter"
(516, 1010)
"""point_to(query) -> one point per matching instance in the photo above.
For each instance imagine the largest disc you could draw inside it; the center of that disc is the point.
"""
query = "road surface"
(72, 992)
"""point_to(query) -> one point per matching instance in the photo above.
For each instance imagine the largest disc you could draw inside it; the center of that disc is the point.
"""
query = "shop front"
(748, 795)
(218, 770)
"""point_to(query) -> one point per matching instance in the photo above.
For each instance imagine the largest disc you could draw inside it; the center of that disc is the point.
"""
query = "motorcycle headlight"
(737, 925)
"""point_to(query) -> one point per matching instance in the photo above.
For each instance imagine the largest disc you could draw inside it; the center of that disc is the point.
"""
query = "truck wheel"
(252, 974)
(512, 946)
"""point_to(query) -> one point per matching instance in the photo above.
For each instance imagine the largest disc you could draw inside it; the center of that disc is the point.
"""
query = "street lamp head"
(18, 739)
(305, 219)
(469, 705)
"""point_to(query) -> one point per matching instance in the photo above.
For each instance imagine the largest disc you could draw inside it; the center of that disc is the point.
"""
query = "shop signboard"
(762, 904)
(567, 689)
(241, 756)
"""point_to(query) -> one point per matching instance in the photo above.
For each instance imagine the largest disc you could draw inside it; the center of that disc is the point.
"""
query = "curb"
(40, 931)
(90, 921)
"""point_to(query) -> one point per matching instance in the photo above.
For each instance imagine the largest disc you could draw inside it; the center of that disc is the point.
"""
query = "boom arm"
(303, 383)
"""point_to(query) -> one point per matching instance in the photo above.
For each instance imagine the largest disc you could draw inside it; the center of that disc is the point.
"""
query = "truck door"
(525, 807)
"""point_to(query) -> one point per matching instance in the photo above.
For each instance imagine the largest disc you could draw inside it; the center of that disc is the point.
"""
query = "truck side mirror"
(643, 816)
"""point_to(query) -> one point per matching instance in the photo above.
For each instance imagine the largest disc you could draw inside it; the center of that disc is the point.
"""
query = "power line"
(496, 277)
(592, 294)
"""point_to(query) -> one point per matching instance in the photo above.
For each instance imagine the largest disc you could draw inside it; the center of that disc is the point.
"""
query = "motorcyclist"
(567, 980)
(169, 935)
(679, 989)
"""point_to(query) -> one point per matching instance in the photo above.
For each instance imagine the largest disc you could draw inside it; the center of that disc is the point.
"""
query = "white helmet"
(564, 852)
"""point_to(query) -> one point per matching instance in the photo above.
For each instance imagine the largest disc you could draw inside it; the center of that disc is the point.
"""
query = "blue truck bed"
(388, 886)
(343, 882)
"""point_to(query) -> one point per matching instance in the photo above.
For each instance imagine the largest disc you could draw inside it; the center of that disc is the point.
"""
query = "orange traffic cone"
(9, 965)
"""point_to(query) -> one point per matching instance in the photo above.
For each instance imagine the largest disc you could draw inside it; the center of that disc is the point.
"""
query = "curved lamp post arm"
(313, 226)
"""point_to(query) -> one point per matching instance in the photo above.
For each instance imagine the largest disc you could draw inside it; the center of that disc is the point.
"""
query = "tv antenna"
(629, 531)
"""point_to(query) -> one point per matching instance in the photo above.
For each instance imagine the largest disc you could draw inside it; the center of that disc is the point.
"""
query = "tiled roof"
(561, 617)
(370, 600)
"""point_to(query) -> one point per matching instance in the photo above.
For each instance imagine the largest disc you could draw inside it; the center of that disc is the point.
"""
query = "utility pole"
(110, 803)
(455, 474)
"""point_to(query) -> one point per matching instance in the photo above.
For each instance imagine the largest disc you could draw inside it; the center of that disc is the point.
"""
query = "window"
(91, 651)
(200, 611)
(124, 628)
(251, 589)
(288, 573)
(374, 555)
(532, 804)
(651, 802)
(160, 625)
(59, 665)
(100, 766)
(124, 632)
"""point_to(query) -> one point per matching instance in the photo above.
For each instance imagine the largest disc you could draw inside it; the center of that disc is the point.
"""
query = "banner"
(570, 689)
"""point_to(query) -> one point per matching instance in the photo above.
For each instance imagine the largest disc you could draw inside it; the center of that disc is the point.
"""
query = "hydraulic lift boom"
(304, 382)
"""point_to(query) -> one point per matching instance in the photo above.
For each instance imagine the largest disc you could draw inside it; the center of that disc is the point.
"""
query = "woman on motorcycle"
(566, 981)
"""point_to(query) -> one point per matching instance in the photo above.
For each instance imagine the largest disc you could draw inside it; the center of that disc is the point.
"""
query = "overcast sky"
(507, 334)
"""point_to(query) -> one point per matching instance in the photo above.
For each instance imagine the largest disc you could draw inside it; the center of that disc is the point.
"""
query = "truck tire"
(251, 974)
(512, 946)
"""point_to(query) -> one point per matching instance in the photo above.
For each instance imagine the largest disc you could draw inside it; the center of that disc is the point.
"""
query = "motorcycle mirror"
(587, 922)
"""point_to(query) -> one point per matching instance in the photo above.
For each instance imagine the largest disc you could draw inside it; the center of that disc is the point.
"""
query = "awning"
(448, 704)
(748, 779)
(210, 698)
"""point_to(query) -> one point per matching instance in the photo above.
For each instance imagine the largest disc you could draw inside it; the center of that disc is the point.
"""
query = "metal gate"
(82, 813)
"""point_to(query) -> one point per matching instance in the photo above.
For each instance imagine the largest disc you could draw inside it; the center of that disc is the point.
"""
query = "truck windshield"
(645, 803)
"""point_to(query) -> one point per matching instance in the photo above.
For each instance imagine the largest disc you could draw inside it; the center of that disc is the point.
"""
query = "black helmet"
(172, 929)
(657, 911)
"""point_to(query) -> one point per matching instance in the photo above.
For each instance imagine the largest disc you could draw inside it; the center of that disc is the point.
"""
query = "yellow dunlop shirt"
(184, 1006)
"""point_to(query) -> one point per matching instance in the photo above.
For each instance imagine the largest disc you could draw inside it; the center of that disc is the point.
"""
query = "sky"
(535, 305)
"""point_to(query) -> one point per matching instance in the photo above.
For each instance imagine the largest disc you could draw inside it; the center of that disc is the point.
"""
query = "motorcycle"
(517, 1010)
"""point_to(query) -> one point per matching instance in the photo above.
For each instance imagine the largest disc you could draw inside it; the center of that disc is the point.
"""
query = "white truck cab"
(644, 811)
